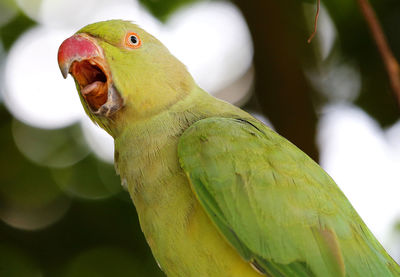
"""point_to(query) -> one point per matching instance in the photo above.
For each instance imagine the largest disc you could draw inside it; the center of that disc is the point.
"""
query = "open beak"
(76, 49)
(81, 56)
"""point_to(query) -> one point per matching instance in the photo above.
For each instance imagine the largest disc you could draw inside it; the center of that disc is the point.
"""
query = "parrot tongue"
(94, 94)
(92, 81)
(93, 89)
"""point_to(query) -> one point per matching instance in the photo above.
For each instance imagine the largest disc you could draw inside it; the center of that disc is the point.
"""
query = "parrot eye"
(132, 40)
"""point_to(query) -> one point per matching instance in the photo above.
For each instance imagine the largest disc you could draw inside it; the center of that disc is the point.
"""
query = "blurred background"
(62, 209)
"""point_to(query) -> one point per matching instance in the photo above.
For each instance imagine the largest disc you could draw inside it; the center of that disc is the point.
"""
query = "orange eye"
(132, 40)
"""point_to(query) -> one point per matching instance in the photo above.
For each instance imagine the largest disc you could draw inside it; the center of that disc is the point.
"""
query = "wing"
(275, 205)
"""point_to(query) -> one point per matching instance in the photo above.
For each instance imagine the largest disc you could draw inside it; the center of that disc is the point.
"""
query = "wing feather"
(275, 205)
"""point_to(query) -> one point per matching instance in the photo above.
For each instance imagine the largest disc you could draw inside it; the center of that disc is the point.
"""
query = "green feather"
(275, 205)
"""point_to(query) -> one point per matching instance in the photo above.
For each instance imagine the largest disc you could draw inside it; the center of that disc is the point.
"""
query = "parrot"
(217, 192)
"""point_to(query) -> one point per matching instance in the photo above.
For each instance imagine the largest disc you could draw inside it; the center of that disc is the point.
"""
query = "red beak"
(76, 48)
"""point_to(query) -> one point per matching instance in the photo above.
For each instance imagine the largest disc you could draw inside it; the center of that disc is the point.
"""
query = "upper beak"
(76, 48)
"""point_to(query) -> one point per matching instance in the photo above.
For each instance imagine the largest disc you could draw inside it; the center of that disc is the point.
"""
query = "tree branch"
(281, 88)
(315, 22)
(391, 64)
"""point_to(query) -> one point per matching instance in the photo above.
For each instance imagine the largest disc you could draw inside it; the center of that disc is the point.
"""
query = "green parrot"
(217, 192)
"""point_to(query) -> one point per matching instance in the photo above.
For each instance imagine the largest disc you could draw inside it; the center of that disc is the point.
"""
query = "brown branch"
(391, 64)
(315, 22)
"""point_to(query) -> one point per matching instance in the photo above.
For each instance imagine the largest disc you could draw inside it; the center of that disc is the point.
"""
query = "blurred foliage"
(75, 220)
(52, 148)
(99, 225)
(10, 32)
(162, 9)
(15, 263)
(356, 44)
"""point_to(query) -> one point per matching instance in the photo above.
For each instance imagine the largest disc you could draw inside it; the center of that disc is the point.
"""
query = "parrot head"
(122, 72)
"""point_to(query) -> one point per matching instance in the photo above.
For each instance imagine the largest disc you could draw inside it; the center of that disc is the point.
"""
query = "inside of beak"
(93, 82)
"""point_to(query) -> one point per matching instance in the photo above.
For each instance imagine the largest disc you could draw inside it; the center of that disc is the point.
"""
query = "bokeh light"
(355, 152)
(105, 261)
(213, 40)
(30, 199)
(392, 136)
(101, 143)
(75, 181)
(31, 218)
(30, 7)
(339, 81)
(51, 148)
(34, 91)
(2, 62)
